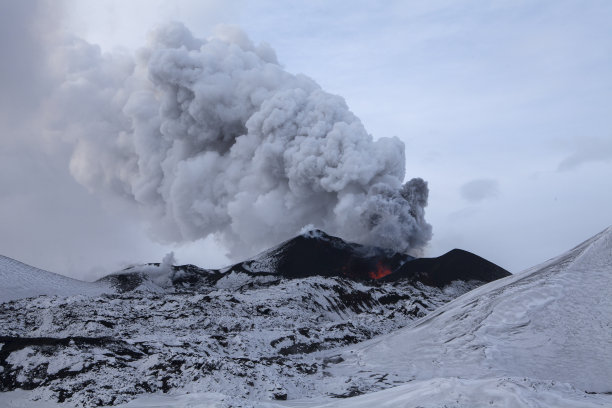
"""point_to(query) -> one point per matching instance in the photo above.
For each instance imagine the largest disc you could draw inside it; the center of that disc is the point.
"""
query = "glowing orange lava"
(381, 271)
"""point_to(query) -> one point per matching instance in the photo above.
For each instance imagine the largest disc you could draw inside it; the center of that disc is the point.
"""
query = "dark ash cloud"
(212, 137)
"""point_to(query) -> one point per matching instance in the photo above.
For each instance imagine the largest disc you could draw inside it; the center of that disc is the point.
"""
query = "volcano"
(538, 338)
(255, 329)
(453, 265)
(315, 253)
(314, 318)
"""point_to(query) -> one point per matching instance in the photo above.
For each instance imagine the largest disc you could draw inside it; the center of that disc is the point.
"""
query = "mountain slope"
(453, 265)
(552, 322)
(19, 280)
(255, 330)
(434, 393)
(245, 336)
(315, 253)
(541, 338)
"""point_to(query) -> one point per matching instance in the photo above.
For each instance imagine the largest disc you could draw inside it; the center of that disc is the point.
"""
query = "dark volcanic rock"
(180, 276)
(454, 265)
(318, 254)
(315, 253)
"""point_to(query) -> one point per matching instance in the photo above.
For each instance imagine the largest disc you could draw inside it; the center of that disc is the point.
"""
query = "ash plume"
(214, 137)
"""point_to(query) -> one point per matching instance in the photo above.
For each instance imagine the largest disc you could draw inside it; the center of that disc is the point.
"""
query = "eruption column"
(214, 137)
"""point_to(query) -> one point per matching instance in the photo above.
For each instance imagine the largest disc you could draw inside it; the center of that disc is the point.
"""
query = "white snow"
(552, 322)
(18, 281)
(541, 338)
(23, 399)
(434, 393)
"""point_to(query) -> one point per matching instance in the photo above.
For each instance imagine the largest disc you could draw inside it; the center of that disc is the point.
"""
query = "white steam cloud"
(214, 137)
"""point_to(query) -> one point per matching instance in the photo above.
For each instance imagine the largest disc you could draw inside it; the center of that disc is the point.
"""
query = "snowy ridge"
(541, 338)
(23, 281)
(184, 329)
(552, 322)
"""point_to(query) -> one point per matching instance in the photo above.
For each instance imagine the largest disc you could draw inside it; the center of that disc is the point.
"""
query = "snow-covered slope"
(254, 338)
(252, 331)
(552, 322)
(435, 393)
(542, 338)
(18, 280)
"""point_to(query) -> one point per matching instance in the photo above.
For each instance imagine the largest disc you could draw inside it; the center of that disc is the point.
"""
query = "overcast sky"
(505, 108)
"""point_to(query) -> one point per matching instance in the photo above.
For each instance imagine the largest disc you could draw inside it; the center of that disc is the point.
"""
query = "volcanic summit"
(254, 329)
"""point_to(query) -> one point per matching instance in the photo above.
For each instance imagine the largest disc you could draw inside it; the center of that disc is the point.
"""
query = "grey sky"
(509, 91)
(479, 189)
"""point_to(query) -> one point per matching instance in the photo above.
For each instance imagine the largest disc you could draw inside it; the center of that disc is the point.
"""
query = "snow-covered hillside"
(541, 338)
(253, 331)
(552, 322)
(18, 281)
(450, 392)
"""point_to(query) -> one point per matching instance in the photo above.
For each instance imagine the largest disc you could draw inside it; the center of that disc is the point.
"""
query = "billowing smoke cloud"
(214, 137)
